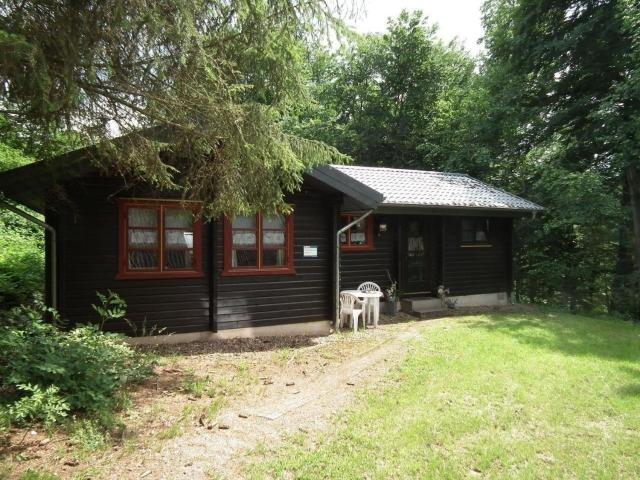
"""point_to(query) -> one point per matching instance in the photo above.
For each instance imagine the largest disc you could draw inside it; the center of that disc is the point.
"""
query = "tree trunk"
(633, 181)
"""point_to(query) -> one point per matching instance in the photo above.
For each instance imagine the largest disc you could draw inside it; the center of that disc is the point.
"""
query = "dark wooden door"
(414, 256)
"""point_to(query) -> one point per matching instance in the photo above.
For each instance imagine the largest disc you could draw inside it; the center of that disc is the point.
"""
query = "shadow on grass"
(631, 389)
(605, 338)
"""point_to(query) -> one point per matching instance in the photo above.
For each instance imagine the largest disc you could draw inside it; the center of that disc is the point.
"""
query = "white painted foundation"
(483, 300)
(430, 304)
(310, 329)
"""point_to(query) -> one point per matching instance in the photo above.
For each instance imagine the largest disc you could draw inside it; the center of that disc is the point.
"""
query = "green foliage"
(21, 261)
(113, 307)
(38, 405)
(626, 296)
(31, 474)
(46, 372)
(396, 99)
(89, 435)
(209, 81)
(562, 128)
(21, 246)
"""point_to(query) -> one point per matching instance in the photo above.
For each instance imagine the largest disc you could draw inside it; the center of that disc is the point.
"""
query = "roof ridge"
(402, 170)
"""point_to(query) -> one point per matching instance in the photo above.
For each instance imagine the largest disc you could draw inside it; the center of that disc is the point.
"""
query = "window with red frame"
(359, 236)
(258, 245)
(159, 239)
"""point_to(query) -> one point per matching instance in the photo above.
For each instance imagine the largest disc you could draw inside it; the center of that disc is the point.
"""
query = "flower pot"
(391, 306)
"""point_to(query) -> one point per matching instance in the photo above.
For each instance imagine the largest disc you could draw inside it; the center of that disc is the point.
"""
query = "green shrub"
(38, 475)
(21, 260)
(89, 435)
(46, 372)
(38, 405)
(626, 296)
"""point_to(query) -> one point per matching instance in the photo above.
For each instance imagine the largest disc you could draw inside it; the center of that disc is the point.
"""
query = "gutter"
(337, 265)
(54, 248)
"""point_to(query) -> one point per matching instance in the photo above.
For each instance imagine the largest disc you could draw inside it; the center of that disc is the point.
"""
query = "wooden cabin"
(264, 275)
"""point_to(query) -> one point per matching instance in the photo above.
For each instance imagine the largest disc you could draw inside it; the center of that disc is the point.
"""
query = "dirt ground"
(212, 402)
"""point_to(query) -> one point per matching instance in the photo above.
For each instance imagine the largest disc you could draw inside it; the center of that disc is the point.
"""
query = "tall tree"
(217, 74)
(395, 99)
(561, 70)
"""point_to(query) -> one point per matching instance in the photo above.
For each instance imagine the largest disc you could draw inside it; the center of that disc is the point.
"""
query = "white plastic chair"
(350, 306)
(372, 306)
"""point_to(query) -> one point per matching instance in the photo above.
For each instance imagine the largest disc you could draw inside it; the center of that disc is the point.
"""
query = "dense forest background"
(549, 111)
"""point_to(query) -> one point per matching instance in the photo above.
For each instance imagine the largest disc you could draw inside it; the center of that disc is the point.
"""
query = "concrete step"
(420, 304)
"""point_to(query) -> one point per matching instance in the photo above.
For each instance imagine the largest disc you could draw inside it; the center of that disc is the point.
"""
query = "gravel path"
(292, 404)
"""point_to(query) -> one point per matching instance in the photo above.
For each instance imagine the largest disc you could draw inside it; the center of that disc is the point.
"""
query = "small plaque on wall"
(310, 251)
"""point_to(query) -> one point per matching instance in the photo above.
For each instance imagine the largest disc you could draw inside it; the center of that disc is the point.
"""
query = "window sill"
(476, 245)
(248, 272)
(363, 248)
(157, 275)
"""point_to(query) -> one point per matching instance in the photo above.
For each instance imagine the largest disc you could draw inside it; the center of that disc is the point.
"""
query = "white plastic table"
(370, 298)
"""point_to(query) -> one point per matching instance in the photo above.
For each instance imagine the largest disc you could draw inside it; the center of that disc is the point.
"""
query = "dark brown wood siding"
(88, 244)
(358, 267)
(251, 301)
(475, 270)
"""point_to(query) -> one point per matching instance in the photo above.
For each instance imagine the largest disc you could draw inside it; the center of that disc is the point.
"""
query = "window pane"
(179, 259)
(244, 258)
(277, 222)
(343, 237)
(272, 238)
(481, 236)
(468, 224)
(244, 239)
(178, 218)
(178, 239)
(468, 236)
(358, 233)
(244, 222)
(274, 258)
(143, 260)
(142, 217)
(143, 238)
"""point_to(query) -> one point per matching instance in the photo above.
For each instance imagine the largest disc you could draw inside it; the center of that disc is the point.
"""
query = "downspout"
(337, 265)
(54, 249)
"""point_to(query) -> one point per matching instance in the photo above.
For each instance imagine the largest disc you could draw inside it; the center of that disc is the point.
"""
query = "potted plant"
(392, 296)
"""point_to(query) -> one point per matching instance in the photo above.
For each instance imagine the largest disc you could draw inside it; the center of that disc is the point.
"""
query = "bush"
(21, 260)
(626, 296)
(46, 372)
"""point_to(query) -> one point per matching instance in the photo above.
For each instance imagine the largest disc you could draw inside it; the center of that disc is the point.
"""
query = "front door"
(414, 274)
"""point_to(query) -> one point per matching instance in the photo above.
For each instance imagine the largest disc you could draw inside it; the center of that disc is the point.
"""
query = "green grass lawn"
(501, 396)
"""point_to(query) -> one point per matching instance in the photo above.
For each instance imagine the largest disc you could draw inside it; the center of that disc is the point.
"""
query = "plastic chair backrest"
(348, 300)
(369, 287)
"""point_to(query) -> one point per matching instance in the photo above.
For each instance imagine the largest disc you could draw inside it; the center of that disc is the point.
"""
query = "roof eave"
(403, 208)
(349, 186)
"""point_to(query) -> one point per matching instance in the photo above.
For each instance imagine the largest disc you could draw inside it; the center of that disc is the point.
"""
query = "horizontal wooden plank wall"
(88, 232)
(475, 270)
(358, 267)
(254, 301)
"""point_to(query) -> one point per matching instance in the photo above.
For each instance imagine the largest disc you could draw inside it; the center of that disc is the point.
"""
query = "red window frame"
(287, 269)
(347, 247)
(125, 273)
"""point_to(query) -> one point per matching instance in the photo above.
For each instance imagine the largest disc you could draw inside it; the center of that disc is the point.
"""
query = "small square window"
(359, 236)
(475, 231)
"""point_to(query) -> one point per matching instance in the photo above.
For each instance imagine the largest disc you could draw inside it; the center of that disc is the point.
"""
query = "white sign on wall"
(310, 251)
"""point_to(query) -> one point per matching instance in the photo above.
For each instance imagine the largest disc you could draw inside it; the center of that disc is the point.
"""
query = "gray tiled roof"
(402, 187)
